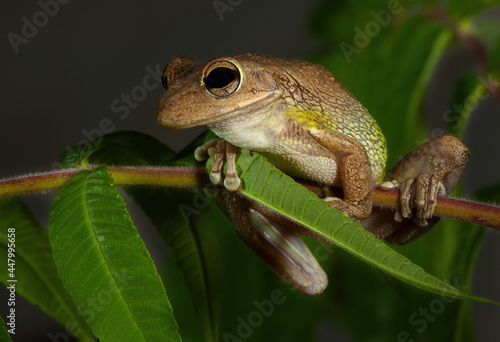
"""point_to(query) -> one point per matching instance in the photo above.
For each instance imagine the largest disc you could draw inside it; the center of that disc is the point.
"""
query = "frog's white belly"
(255, 140)
(321, 169)
(283, 144)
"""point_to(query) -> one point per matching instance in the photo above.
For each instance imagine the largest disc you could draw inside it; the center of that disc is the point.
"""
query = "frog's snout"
(164, 114)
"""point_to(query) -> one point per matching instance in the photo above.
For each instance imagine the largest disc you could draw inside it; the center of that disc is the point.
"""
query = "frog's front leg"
(354, 169)
(223, 150)
(432, 169)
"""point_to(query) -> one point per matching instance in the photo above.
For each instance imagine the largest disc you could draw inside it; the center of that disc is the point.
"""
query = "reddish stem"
(178, 177)
(460, 209)
(191, 176)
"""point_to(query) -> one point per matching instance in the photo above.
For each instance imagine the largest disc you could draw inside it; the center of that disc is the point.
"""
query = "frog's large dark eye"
(222, 79)
(219, 78)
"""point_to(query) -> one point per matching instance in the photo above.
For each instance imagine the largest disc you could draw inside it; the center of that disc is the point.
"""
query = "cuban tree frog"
(303, 120)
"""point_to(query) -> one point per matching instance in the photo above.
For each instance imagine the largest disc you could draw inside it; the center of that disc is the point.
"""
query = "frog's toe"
(206, 150)
(200, 154)
(394, 184)
(405, 198)
(331, 199)
(428, 189)
(422, 201)
(212, 151)
(397, 216)
(215, 177)
(232, 182)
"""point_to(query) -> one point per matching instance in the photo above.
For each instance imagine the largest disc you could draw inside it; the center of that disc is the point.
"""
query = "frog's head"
(201, 94)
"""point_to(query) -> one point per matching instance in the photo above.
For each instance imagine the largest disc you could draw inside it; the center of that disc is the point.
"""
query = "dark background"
(60, 86)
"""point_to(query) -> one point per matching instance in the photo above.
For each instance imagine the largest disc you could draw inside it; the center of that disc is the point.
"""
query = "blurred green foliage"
(386, 53)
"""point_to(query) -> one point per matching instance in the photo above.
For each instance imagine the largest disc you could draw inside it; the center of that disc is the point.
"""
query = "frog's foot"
(275, 240)
(430, 170)
(223, 151)
(428, 187)
(419, 193)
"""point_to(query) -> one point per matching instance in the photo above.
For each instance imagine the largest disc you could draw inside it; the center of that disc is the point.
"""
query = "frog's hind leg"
(429, 170)
(381, 223)
(276, 241)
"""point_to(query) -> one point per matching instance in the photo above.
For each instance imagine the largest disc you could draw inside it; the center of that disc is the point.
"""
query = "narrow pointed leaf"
(267, 185)
(104, 263)
(35, 272)
(458, 9)
(189, 232)
(468, 93)
(185, 228)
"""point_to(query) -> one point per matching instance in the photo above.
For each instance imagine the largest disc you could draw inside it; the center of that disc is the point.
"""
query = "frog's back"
(312, 94)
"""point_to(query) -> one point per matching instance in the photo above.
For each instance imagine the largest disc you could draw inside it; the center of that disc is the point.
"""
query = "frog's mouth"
(171, 115)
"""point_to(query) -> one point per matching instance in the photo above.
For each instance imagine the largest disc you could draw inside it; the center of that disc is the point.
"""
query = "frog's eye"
(222, 79)
(164, 78)
(177, 66)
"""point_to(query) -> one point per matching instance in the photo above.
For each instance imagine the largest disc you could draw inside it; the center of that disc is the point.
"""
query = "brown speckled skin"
(304, 121)
(433, 168)
(297, 114)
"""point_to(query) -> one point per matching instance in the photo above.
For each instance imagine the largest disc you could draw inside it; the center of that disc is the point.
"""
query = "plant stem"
(192, 177)
(460, 209)
(174, 177)
(38, 182)
(178, 177)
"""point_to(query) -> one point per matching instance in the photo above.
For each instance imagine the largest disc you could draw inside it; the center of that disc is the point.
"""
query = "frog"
(305, 122)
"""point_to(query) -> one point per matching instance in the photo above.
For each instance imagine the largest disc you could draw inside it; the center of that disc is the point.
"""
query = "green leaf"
(438, 44)
(390, 76)
(467, 248)
(267, 185)
(249, 289)
(489, 193)
(190, 234)
(494, 57)
(4, 334)
(35, 271)
(469, 91)
(104, 263)
(186, 155)
(187, 231)
(111, 149)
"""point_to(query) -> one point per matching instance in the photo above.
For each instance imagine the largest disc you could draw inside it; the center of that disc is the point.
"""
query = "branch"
(196, 177)
(177, 177)
(457, 208)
